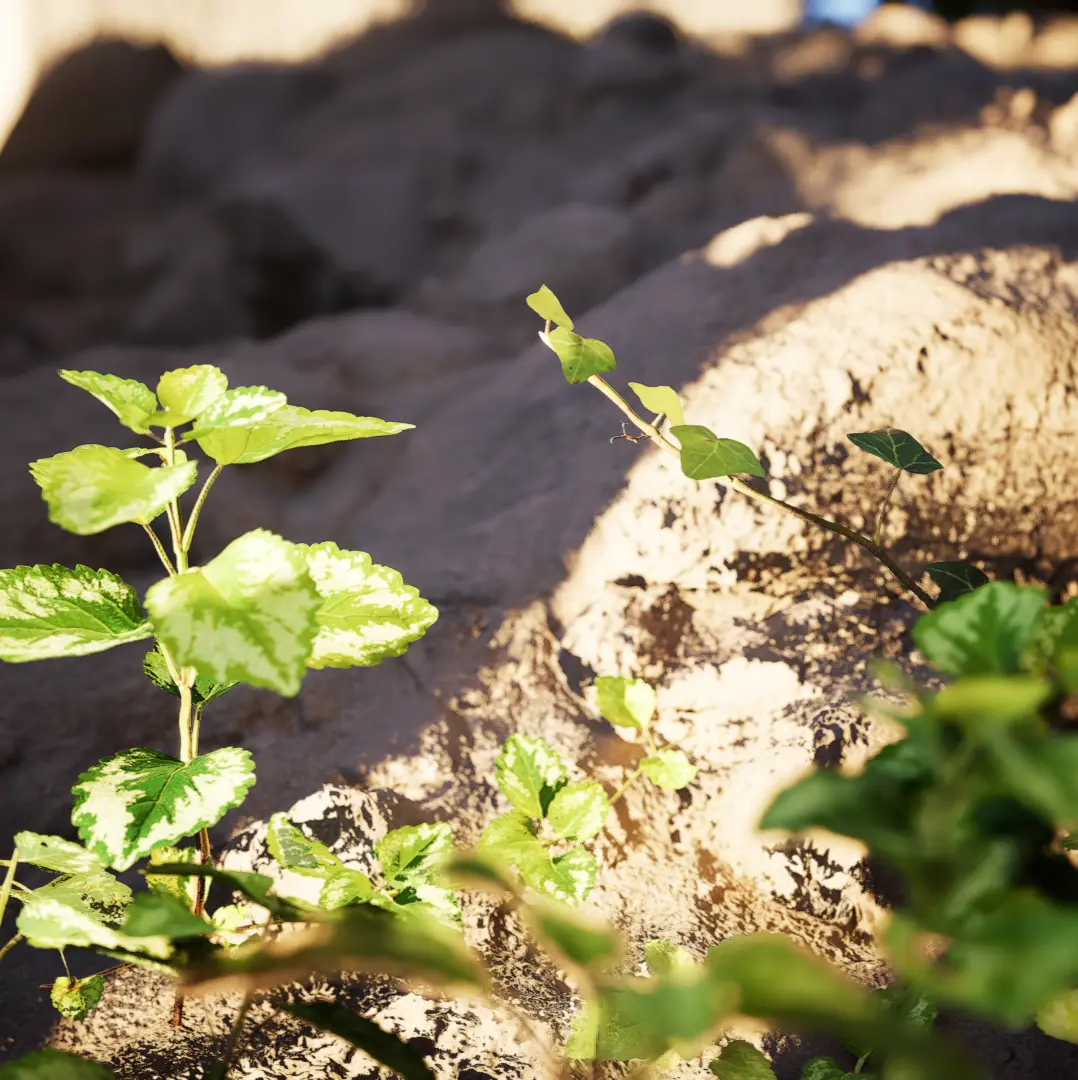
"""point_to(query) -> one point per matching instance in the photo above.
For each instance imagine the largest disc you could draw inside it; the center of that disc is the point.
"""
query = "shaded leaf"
(297, 852)
(203, 691)
(132, 402)
(183, 888)
(666, 958)
(574, 939)
(410, 855)
(437, 902)
(578, 811)
(955, 579)
(248, 615)
(366, 614)
(626, 702)
(155, 914)
(186, 392)
(137, 800)
(53, 1065)
(669, 769)
(76, 998)
(740, 1060)
(256, 887)
(345, 887)
(529, 773)
(704, 456)
(547, 306)
(387, 1049)
(824, 1068)
(661, 399)
(580, 357)
(897, 448)
(91, 488)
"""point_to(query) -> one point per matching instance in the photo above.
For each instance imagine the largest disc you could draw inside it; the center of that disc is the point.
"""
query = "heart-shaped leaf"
(131, 401)
(626, 702)
(186, 392)
(247, 616)
(898, 448)
(661, 399)
(669, 769)
(955, 579)
(76, 998)
(704, 456)
(91, 488)
(137, 800)
(547, 306)
(529, 774)
(578, 811)
(411, 854)
(580, 357)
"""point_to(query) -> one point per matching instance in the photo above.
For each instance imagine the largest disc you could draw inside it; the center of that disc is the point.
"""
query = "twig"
(221, 1072)
(883, 506)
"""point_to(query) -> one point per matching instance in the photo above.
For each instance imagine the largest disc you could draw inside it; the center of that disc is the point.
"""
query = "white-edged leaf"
(76, 998)
(578, 811)
(290, 427)
(669, 769)
(134, 801)
(626, 702)
(56, 854)
(238, 407)
(409, 855)
(248, 616)
(344, 888)
(660, 399)
(91, 488)
(297, 852)
(529, 774)
(186, 392)
(97, 891)
(54, 1065)
(367, 613)
(48, 611)
(132, 402)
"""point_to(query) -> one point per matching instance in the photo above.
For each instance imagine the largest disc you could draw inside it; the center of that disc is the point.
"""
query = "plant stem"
(9, 880)
(10, 945)
(192, 521)
(160, 549)
(871, 546)
(173, 508)
(221, 1072)
(625, 787)
(883, 506)
(185, 718)
(196, 724)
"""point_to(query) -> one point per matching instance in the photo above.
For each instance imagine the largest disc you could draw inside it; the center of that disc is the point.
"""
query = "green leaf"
(97, 892)
(547, 306)
(363, 938)
(580, 357)
(1059, 1018)
(529, 774)
(56, 854)
(248, 615)
(574, 876)
(131, 401)
(48, 611)
(296, 852)
(204, 690)
(186, 392)
(344, 888)
(183, 889)
(387, 1049)
(626, 702)
(56, 918)
(137, 800)
(982, 703)
(54, 1065)
(288, 428)
(367, 613)
(824, 1068)
(242, 406)
(437, 902)
(76, 998)
(705, 456)
(897, 448)
(91, 488)
(256, 887)
(577, 941)
(955, 579)
(984, 632)
(665, 958)
(410, 855)
(512, 839)
(741, 1060)
(578, 811)
(661, 399)
(154, 914)
(669, 769)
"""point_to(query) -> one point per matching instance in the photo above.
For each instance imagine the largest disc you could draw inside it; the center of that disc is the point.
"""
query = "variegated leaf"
(367, 613)
(56, 854)
(47, 922)
(76, 998)
(409, 855)
(240, 407)
(48, 611)
(529, 774)
(137, 800)
(131, 401)
(297, 852)
(247, 616)
(186, 392)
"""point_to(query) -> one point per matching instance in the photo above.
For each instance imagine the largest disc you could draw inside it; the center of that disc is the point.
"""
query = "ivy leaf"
(547, 306)
(529, 773)
(984, 632)
(666, 958)
(363, 938)
(76, 998)
(825, 1068)
(91, 488)
(661, 399)
(367, 613)
(204, 690)
(246, 616)
(898, 448)
(580, 357)
(578, 811)
(239, 407)
(1059, 1018)
(54, 1065)
(387, 1049)
(669, 769)
(56, 854)
(132, 402)
(955, 579)
(256, 887)
(287, 428)
(344, 888)
(186, 392)
(137, 800)
(154, 914)
(410, 855)
(740, 1060)
(49, 611)
(296, 852)
(705, 456)
(626, 702)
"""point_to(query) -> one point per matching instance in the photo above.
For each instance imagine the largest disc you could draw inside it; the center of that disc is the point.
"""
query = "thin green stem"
(160, 549)
(174, 523)
(871, 546)
(8, 946)
(63, 960)
(9, 880)
(625, 787)
(881, 516)
(234, 1037)
(192, 521)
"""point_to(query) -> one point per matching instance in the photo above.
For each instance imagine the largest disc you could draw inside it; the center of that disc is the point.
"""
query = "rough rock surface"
(823, 242)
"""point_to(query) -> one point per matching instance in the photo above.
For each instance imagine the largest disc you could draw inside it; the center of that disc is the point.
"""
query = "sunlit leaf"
(242, 406)
(704, 456)
(131, 401)
(410, 855)
(580, 357)
(56, 854)
(203, 691)
(666, 958)
(297, 852)
(578, 811)
(625, 702)
(660, 399)
(669, 769)
(345, 887)
(1059, 1018)
(547, 306)
(76, 998)
(529, 773)
(186, 392)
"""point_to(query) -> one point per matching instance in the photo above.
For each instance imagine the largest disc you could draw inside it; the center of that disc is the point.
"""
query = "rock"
(636, 54)
(998, 42)
(91, 110)
(1063, 127)
(1056, 45)
(902, 26)
(212, 123)
(317, 238)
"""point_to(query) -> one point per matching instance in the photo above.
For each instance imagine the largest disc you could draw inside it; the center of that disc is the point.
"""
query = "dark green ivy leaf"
(898, 448)
(955, 579)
